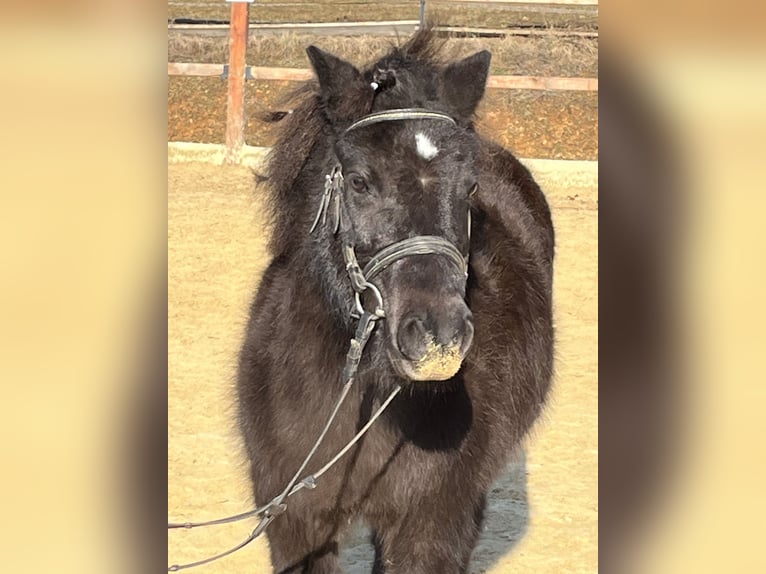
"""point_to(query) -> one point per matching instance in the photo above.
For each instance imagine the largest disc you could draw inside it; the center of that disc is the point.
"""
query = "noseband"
(419, 245)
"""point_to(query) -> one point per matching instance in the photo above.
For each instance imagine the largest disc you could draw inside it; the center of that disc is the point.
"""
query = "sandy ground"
(542, 514)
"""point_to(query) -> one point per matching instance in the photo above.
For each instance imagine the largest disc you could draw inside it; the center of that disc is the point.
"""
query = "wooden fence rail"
(300, 74)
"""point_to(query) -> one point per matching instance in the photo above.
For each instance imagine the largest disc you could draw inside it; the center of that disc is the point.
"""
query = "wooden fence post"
(235, 97)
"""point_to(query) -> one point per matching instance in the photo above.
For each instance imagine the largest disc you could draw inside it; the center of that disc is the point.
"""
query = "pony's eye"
(472, 191)
(357, 182)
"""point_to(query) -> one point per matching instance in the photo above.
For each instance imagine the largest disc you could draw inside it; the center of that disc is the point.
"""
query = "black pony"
(473, 353)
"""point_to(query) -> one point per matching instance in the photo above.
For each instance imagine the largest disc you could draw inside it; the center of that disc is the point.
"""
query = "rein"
(331, 201)
(276, 505)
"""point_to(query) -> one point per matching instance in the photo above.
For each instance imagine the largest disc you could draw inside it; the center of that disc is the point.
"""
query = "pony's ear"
(463, 83)
(334, 74)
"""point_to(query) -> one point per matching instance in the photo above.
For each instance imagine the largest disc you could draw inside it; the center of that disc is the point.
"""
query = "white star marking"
(425, 147)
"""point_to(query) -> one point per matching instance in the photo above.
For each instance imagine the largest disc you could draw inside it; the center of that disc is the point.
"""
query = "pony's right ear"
(463, 83)
(334, 74)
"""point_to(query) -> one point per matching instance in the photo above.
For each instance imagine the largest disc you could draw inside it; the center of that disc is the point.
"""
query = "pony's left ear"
(463, 83)
(334, 74)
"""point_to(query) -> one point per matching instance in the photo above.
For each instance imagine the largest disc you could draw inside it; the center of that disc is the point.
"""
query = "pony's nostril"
(412, 338)
(456, 332)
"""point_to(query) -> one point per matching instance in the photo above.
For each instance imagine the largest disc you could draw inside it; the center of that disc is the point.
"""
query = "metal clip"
(309, 482)
(275, 510)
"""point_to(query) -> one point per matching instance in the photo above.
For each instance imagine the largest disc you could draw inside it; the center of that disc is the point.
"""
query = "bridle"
(332, 203)
(360, 278)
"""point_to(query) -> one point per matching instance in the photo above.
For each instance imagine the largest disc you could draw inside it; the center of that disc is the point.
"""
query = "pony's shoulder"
(507, 187)
(501, 162)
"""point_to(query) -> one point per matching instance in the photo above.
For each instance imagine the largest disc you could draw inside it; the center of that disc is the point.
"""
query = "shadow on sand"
(505, 523)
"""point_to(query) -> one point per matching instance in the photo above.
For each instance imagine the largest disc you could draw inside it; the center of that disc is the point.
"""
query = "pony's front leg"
(303, 544)
(436, 536)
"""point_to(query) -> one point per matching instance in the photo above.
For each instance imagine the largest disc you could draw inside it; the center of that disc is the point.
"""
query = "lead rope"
(277, 506)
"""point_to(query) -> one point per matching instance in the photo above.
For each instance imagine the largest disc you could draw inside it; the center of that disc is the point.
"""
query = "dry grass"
(533, 56)
(357, 10)
(299, 12)
(555, 125)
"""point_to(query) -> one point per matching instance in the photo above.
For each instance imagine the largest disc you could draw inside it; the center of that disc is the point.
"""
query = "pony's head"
(408, 175)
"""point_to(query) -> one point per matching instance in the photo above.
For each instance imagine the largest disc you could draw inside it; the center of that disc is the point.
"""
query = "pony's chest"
(390, 468)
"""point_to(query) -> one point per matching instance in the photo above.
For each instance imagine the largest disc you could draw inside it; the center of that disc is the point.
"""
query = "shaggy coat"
(420, 476)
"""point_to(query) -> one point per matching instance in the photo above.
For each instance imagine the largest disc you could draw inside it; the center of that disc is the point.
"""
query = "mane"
(308, 124)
